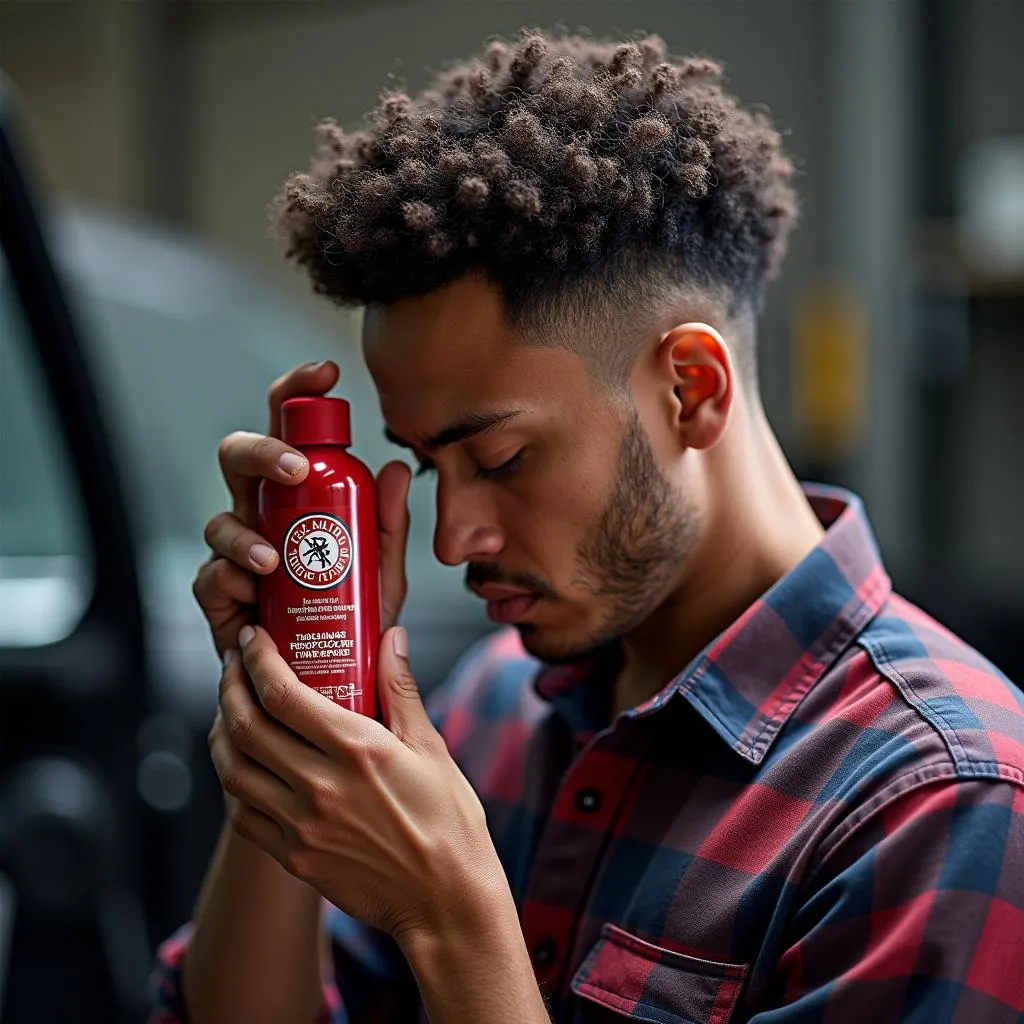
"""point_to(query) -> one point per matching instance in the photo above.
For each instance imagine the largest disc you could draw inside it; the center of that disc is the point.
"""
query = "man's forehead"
(436, 356)
(443, 354)
(467, 311)
(451, 353)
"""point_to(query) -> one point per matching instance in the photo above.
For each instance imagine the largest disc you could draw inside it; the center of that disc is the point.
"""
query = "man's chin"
(549, 646)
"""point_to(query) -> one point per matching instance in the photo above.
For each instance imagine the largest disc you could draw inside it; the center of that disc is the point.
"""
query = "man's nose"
(466, 527)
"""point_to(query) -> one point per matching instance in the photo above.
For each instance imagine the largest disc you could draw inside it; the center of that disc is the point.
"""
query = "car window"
(45, 551)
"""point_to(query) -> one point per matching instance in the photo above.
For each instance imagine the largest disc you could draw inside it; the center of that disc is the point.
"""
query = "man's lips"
(505, 604)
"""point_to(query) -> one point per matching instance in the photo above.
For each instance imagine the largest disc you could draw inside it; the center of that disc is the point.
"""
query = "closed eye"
(483, 472)
(505, 469)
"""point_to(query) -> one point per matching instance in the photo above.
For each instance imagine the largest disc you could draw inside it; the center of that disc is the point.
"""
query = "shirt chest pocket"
(625, 978)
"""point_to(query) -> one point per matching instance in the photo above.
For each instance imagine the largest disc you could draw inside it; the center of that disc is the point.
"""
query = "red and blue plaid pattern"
(820, 820)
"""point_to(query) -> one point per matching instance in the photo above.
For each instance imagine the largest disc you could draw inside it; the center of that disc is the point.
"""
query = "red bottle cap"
(313, 421)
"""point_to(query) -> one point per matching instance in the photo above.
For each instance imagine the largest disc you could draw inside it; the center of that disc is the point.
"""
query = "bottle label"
(321, 604)
(318, 551)
(318, 556)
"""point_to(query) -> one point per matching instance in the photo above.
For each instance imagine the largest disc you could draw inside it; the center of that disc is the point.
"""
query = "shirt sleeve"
(914, 914)
(368, 981)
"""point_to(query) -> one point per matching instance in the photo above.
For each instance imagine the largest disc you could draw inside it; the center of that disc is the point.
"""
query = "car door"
(73, 872)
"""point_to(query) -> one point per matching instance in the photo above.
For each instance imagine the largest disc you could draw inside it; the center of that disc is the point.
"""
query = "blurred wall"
(76, 69)
(988, 465)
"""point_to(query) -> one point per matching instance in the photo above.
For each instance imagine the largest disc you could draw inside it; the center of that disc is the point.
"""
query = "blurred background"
(144, 311)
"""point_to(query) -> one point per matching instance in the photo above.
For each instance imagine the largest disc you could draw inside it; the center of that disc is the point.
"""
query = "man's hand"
(225, 585)
(379, 820)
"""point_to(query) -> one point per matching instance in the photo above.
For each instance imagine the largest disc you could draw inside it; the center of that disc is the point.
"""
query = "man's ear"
(695, 359)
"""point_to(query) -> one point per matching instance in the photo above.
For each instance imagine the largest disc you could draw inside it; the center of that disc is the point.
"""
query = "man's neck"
(750, 542)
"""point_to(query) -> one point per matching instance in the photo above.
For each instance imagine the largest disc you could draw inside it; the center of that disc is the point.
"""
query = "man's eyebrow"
(471, 425)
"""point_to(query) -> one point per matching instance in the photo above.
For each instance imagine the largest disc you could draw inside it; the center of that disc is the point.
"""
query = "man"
(715, 770)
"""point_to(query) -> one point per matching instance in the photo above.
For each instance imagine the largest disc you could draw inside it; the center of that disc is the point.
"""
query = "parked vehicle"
(126, 353)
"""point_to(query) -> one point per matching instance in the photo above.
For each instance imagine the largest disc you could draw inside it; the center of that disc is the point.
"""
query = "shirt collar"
(748, 681)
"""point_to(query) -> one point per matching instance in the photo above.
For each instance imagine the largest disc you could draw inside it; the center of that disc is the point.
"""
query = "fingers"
(406, 716)
(226, 594)
(286, 698)
(257, 736)
(393, 517)
(224, 586)
(246, 458)
(307, 379)
(232, 539)
(220, 584)
(247, 781)
(259, 829)
(236, 733)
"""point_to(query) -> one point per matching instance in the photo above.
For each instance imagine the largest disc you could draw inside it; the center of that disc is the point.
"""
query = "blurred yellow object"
(829, 369)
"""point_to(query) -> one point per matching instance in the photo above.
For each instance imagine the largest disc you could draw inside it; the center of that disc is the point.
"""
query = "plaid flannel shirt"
(820, 820)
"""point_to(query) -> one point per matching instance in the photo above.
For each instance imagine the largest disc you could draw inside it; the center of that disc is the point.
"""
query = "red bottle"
(322, 602)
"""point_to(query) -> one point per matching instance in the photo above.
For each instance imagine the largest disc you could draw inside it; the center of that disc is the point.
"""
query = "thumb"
(403, 708)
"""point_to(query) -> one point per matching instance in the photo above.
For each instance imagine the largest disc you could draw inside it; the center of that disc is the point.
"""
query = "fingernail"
(291, 463)
(261, 554)
(245, 635)
(401, 641)
(314, 365)
(230, 657)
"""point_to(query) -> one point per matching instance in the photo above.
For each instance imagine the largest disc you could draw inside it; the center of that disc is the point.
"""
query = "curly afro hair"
(552, 164)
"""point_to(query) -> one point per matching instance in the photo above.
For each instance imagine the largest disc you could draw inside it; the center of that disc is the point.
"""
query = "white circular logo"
(318, 551)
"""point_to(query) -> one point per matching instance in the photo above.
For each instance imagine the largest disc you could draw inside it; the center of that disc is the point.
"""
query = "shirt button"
(588, 800)
(544, 953)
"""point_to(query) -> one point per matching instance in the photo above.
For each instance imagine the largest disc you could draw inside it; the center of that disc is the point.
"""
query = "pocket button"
(544, 953)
